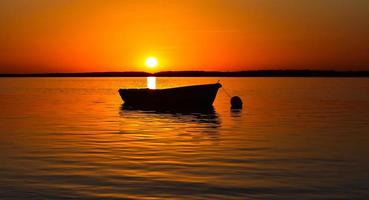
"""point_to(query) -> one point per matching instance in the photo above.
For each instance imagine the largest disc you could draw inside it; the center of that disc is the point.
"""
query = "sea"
(295, 138)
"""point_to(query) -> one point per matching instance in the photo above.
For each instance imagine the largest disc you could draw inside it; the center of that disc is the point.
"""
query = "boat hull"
(181, 97)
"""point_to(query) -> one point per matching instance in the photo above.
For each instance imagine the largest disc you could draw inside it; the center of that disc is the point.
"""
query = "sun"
(151, 62)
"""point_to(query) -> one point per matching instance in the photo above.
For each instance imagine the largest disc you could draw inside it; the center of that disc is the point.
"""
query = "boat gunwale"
(173, 88)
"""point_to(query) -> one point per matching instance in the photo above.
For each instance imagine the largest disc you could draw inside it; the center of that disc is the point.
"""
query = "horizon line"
(200, 73)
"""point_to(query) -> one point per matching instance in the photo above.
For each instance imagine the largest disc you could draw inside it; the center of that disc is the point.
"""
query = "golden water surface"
(296, 138)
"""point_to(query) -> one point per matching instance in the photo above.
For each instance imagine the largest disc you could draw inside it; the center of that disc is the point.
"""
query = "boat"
(195, 96)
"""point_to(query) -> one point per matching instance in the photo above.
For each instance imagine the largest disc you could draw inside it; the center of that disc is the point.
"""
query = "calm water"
(296, 138)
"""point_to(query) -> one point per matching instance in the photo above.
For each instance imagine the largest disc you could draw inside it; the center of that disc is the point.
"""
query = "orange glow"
(79, 36)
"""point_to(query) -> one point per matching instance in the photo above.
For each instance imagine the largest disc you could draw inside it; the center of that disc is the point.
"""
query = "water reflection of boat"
(195, 119)
(180, 97)
(175, 125)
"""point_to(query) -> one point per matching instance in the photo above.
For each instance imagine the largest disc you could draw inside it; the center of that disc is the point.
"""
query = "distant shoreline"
(251, 73)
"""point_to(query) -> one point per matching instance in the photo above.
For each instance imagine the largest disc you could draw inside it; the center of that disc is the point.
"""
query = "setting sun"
(151, 62)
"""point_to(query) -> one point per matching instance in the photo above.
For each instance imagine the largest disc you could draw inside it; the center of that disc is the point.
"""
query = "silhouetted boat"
(196, 96)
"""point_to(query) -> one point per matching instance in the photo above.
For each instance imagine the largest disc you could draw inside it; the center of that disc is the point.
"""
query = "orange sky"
(117, 35)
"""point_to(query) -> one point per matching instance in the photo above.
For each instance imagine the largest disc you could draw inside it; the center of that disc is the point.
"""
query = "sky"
(39, 36)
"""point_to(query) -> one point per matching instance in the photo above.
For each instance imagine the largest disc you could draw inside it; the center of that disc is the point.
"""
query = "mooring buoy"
(236, 102)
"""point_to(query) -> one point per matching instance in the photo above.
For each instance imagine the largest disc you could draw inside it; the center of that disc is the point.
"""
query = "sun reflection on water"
(151, 82)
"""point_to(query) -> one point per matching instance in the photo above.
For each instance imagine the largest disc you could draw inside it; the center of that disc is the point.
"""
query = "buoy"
(236, 102)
